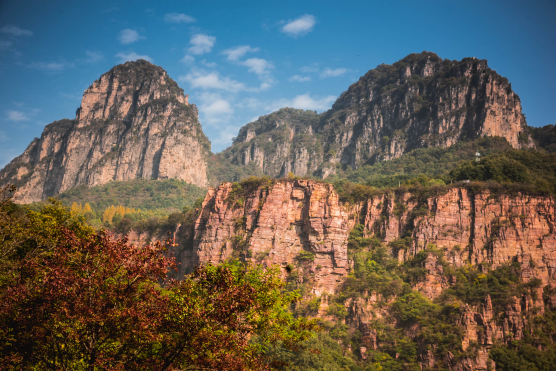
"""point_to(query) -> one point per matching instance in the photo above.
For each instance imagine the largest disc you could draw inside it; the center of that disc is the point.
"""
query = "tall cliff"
(483, 260)
(134, 122)
(419, 101)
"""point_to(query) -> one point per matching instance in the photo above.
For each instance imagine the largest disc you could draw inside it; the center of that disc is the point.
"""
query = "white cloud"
(129, 36)
(234, 54)
(261, 68)
(300, 26)
(51, 66)
(16, 31)
(328, 72)
(14, 115)
(201, 44)
(258, 66)
(299, 78)
(209, 64)
(187, 59)
(132, 56)
(93, 57)
(212, 80)
(214, 108)
(178, 18)
(3, 137)
(314, 67)
(304, 101)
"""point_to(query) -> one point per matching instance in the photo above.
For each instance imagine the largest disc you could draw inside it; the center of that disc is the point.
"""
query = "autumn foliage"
(87, 301)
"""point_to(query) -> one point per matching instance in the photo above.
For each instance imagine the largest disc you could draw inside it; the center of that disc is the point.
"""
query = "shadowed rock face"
(419, 101)
(273, 223)
(134, 122)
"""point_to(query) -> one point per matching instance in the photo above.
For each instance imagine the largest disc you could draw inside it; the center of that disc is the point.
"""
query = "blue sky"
(238, 60)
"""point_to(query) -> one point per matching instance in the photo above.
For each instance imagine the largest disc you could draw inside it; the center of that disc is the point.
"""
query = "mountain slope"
(419, 101)
(134, 122)
(423, 278)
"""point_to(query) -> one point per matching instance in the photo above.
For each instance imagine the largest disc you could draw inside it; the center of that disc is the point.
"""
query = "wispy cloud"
(93, 57)
(129, 36)
(212, 80)
(313, 67)
(326, 72)
(234, 54)
(132, 56)
(214, 108)
(299, 78)
(16, 31)
(209, 64)
(258, 66)
(16, 116)
(329, 72)
(178, 18)
(187, 59)
(53, 67)
(201, 43)
(304, 101)
(299, 26)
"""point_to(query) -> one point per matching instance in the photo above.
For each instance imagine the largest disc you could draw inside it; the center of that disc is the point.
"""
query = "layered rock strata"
(134, 122)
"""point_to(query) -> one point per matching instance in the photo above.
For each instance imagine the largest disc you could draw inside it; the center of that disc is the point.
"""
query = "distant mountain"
(419, 101)
(134, 122)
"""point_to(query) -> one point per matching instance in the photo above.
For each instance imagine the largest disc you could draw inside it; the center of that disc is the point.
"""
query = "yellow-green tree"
(76, 209)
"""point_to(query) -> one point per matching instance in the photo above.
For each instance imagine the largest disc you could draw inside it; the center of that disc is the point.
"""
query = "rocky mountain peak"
(119, 92)
(133, 122)
(420, 101)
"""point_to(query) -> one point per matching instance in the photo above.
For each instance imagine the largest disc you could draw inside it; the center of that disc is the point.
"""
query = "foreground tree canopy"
(74, 299)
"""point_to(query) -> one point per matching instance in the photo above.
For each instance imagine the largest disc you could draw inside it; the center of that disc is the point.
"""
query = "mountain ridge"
(135, 122)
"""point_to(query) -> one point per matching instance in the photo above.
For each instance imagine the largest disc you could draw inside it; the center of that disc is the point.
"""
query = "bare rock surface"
(276, 222)
(419, 101)
(134, 122)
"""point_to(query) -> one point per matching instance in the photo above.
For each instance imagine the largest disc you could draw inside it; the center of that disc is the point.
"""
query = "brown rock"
(132, 123)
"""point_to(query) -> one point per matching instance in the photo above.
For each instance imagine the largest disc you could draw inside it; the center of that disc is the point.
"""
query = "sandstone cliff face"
(486, 229)
(420, 101)
(281, 222)
(134, 122)
(272, 225)
(278, 220)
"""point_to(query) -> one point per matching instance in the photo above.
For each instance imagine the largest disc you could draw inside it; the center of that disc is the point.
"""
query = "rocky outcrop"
(272, 224)
(278, 220)
(301, 226)
(419, 101)
(134, 122)
(279, 143)
(478, 228)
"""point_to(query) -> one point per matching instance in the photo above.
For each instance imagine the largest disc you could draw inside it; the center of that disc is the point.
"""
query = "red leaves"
(95, 303)
(90, 294)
